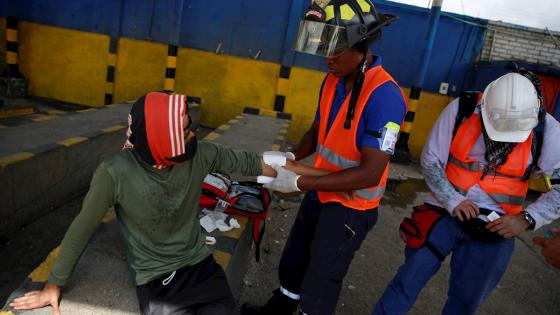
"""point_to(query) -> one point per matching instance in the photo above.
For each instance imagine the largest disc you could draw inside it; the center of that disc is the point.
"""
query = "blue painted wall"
(243, 27)
(99, 16)
(246, 27)
(485, 72)
(455, 48)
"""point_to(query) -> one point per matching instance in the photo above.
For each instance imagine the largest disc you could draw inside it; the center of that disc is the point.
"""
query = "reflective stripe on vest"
(474, 167)
(335, 159)
(494, 173)
(507, 199)
(498, 198)
(371, 194)
(471, 166)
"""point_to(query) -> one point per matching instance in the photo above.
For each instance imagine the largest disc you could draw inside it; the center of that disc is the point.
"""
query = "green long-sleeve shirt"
(157, 210)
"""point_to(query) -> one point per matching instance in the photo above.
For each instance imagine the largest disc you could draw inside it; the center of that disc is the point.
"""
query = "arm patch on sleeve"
(388, 139)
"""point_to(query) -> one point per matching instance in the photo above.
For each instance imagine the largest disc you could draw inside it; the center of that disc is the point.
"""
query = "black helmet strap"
(356, 32)
(356, 89)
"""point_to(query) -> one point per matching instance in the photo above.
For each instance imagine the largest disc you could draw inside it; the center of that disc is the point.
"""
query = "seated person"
(154, 183)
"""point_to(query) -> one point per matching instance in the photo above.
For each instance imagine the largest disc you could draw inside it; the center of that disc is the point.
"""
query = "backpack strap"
(258, 233)
(467, 103)
(536, 146)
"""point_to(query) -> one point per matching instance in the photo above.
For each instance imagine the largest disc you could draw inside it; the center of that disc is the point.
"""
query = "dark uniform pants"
(319, 251)
(201, 289)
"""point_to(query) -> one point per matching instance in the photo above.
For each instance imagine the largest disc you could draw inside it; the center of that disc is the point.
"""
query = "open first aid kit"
(248, 199)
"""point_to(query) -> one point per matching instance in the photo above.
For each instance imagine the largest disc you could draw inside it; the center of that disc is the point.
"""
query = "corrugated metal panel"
(137, 19)
(155, 20)
(455, 47)
(239, 27)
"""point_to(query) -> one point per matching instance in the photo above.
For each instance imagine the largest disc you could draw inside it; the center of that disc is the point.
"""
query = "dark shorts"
(201, 289)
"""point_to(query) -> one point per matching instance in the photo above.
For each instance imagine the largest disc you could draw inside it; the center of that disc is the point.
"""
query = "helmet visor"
(507, 121)
(320, 39)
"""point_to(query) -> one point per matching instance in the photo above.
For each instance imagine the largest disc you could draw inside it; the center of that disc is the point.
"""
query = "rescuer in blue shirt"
(358, 119)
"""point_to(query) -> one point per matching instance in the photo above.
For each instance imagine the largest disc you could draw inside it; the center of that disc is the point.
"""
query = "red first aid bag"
(247, 199)
(414, 231)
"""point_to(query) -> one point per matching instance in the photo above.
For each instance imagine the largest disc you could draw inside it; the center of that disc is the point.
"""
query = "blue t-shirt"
(385, 105)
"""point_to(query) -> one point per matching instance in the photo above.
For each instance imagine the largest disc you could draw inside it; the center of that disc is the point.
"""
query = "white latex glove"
(277, 157)
(285, 181)
(288, 155)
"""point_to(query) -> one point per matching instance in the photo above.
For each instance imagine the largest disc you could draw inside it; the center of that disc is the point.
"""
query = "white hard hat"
(510, 108)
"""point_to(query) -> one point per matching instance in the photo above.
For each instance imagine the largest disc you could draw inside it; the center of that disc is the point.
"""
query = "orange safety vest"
(506, 185)
(337, 150)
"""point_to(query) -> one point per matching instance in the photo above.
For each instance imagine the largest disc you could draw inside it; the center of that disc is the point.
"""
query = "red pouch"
(247, 199)
(414, 231)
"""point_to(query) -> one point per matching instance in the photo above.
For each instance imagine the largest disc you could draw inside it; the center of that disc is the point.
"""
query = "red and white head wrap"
(156, 131)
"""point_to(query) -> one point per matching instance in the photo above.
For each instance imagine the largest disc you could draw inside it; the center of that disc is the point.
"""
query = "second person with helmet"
(361, 108)
(477, 167)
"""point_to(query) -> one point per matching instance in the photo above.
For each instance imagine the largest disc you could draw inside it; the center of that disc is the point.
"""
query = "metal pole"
(416, 89)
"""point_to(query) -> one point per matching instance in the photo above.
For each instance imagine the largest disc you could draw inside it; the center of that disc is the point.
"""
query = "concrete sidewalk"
(101, 283)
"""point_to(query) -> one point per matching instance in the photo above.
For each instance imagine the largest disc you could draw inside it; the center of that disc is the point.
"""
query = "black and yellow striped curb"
(36, 279)
(14, 118)
(16, 112)
(215, 134)
(40, 275)
(26, 116)
(267, 112)
(170, 68)
(21, 156)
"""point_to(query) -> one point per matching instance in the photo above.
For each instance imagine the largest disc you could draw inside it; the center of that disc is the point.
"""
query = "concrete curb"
(38, 180)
